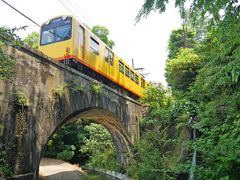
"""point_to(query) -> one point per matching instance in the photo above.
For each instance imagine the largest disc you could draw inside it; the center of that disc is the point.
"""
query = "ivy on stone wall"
(8, 37)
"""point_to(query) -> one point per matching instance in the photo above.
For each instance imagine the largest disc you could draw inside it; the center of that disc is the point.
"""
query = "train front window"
(56, 30)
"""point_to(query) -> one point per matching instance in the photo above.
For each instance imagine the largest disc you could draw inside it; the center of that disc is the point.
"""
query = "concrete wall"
(28, 128)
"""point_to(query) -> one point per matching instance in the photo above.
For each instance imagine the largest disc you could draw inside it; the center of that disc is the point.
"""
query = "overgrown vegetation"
(8, 37)
(66, 143)
(21, 99)
(96, 87)
(203, 74)
(5, 169)
(74, 86)
(102, 32)
(99, 146)
(32, 40)
(60, 91)
(86, 143)
(155, 153)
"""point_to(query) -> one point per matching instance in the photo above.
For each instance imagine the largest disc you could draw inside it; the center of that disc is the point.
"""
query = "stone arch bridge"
(43, 96)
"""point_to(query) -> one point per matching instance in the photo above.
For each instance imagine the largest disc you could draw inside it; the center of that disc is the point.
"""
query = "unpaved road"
(53, 169)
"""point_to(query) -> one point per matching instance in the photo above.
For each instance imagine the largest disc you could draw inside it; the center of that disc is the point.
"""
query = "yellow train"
(65, 39)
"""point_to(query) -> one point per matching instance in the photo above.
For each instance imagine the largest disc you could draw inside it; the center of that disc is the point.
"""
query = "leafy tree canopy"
(210, 71)
(100, 146)
(32, 40)
(182, 70)
(180, 38)
(198, 7)
(102, 32)
(8, 37)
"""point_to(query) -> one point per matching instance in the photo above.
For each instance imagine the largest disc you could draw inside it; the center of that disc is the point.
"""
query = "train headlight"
(47, 23)
(67, 50)
(64, 18)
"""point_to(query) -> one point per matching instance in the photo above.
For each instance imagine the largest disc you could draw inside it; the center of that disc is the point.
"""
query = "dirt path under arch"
(53, 169)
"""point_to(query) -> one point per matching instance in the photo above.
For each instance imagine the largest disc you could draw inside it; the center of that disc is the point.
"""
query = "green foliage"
(216, 91)
(84, 142)
(67, 153)
(32, 40)
(198, 8)
(74, 86)
(182, 70)
(8, 37)
(99, 139)
(183, 109)
(7, 65)
(1, 128)
(96, 87)
(105, 160)
(5, 169)
(205, 83)
(153, 154)
(180, 38)
(21, 99)
(158, 101)
(102, 32)
(151, 5)
(100, 147)
(60, 91)
(155, 96)
(66, 143)
(150, 161)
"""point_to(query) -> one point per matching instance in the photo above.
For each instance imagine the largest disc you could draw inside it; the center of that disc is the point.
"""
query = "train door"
(107, 65)
(81, 36)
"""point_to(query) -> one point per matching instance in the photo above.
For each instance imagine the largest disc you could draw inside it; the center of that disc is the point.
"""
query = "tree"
(8, 37)
(183, 63)
(102, 32)
(100, 146)
(66, 143)
(216, 91)
(32, 40)
(178, 40)
(215, 87)
(156, 152)
(212, 9)
(181, 71)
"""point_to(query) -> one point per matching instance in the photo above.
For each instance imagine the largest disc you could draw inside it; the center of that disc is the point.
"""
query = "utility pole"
(133, 63)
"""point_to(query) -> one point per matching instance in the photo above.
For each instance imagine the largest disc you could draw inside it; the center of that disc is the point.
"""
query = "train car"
(70, 42)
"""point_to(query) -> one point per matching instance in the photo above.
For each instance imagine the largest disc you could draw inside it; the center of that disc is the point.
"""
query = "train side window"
(142, 83)
(127, 72)
(111, 58)
(94, 45)
(121, 67)
(136, 79)
(106, 55)
(81, 35)
(132, 75)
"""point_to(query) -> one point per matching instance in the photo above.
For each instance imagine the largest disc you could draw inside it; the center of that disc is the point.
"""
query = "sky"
(145, 42)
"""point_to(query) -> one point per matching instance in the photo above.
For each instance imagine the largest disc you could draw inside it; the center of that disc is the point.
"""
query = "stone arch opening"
(121, 138)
